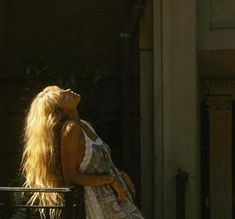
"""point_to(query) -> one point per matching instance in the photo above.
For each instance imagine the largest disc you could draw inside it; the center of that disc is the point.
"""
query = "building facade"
(187, 55)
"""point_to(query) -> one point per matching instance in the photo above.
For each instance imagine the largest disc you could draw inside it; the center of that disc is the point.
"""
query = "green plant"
(40, 73)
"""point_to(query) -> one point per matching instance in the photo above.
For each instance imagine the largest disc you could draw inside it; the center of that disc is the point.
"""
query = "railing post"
(181, 178)
(80, 210)
(68, 204)
(5, 205)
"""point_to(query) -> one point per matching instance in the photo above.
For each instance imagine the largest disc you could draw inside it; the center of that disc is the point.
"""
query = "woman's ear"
(58, 112)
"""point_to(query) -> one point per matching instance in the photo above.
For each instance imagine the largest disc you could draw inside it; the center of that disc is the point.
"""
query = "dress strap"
(90, 132)
(88, 153)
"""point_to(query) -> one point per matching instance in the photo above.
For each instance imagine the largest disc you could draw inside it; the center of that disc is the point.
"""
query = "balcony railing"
(13, 207)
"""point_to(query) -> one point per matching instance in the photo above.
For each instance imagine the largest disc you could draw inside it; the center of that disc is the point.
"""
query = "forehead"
(52, 89)
(52, 92)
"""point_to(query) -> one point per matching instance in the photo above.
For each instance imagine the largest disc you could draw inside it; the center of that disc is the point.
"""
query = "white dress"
(101, 201)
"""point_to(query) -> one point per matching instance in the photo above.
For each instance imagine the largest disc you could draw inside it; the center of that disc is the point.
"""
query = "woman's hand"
(129, 182)
(119, 189)
(106, 179)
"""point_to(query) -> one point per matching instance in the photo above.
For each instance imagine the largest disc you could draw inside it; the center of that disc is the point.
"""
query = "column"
(220, 116)
(176, 106)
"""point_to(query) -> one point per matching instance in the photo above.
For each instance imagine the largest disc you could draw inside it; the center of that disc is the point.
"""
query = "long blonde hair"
(39, 160)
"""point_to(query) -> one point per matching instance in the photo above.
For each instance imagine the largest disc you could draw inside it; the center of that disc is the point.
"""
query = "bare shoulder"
(70, 128)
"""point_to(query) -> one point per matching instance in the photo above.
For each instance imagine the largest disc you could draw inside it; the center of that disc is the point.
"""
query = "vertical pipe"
(181, 178)
(125, 85)
(2, 26)
(146, 110)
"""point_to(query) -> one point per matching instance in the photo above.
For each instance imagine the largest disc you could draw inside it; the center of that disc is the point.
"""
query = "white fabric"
(98, 141)
(88, 151)
(92, 206)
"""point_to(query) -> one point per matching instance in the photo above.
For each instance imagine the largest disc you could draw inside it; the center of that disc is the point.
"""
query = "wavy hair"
(39, 162)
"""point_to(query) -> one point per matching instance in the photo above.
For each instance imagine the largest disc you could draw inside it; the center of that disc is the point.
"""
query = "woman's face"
(69, 100)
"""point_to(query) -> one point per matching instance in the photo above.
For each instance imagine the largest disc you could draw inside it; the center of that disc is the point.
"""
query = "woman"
(61, 150)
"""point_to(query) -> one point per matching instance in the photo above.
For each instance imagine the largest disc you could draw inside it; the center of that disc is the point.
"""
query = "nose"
(69, 90)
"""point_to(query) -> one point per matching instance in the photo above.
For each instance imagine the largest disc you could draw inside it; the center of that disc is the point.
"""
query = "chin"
(79, 98)
(78, 102)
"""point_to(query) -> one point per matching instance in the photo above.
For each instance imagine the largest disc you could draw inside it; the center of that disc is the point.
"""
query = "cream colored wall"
(176, 106)
(192, 40)
(216, 22)
(216, 39)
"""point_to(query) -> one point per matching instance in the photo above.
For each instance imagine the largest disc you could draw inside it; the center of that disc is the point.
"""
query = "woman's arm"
(72, 153)
(91, 180)
(129, 182)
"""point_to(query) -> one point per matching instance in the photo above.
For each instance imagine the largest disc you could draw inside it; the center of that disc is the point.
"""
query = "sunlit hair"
(40, 161)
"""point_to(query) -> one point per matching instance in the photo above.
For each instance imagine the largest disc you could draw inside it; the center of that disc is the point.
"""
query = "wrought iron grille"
(13, 203)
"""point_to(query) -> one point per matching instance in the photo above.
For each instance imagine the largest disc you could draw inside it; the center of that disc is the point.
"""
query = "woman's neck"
(73, 115)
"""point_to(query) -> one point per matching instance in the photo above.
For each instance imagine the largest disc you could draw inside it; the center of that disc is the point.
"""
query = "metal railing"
(181, 179)
(9, 207)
